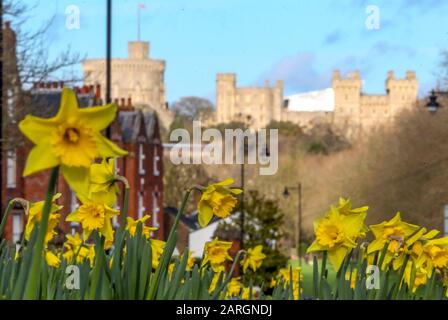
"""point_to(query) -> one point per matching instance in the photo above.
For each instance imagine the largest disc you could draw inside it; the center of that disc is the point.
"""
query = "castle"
(344, 106)
(138, 78)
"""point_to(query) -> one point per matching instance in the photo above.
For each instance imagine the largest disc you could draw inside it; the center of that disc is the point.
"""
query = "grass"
(307, 271)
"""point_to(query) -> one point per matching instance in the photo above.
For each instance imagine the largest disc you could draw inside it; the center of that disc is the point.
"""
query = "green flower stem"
(32, 286)
(229, 275)
(9, 206)
(124, 211)
(171, 237)
(323, 272)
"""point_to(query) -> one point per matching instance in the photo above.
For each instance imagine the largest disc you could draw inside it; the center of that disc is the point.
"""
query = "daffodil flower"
(253, 258)
(72, 139)
(103, 182)
(157, 247)
(337, 234)
(234, 287)
(131, 226)
(34, 215)
(94, 216)
(52, 259)
(217, 199)
(396, 233)
(216, 253)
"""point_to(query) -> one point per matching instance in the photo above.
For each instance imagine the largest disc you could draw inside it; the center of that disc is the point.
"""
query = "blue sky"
(298, 41)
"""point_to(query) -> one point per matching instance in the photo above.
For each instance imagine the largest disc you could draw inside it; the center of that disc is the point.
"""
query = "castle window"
(11, 169)
(17, 227)
(155, 168)
(141, 159)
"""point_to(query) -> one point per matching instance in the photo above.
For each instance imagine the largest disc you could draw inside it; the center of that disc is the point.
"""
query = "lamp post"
(286, 194)
(433, 105)
(108, 57)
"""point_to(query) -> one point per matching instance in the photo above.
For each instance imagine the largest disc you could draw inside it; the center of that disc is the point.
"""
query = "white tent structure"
(322, 100)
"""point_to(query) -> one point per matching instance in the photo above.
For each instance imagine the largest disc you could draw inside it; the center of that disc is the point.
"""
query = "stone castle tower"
(138, 77)
(352, 110)
(255, 106)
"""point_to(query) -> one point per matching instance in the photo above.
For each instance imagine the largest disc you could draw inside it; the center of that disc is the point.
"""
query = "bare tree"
(26, 61)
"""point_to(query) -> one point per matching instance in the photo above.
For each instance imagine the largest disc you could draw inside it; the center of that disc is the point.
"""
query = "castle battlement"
(350, 107)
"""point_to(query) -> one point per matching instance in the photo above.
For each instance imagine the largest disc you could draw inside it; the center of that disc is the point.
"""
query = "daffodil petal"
(337, 256)
(35, 128)
(78, 180)
(39, 158)
(100, 117)
(205, 213)
(107, 148)
(68, 106)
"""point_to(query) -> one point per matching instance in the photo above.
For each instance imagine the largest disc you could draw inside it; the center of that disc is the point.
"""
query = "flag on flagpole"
(141, 6)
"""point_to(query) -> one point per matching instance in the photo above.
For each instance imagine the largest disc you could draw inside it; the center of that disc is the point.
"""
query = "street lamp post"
(433, 105)
(299, 216)
(108, 57)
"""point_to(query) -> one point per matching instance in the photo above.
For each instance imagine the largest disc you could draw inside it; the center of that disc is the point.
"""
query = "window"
(155, 170)
(10, 103)
(17, 227)
(446, 221)
(11, 170)
(73, 202)
(141, 206)
(141, 159)
(155, 209)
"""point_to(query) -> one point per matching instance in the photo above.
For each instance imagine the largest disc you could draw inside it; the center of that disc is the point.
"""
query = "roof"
(131, 123)
(322, 100)
(45, 103)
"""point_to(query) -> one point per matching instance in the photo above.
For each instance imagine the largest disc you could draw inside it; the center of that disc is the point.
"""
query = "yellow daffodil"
(345, 208)
(395, 232)
(216, 253)
(337, 234)
(35, 215)
(131, 226)
(253, 258)
(74, 246)
(434, 255)
(171, 269)
(103, 182)
(190, 261)
(217, 274)
(234, 287)
(72, 139)
(420, 278)
(246, 293)
(217, 199)
(52, 259)
(94, 216)
(351, 277)
(297, 277)
(157, 247)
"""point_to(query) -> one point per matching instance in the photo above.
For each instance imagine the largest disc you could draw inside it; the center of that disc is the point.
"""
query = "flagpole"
(138, 23)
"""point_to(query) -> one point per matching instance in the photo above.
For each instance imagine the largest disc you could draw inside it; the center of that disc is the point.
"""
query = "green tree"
(263, 225)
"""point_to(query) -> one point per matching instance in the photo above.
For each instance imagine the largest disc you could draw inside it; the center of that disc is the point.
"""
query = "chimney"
(55, 84)
(98, 91)
(123, 103)
(116, 101)
(61, 84)
(129, 102)
(48, 85)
